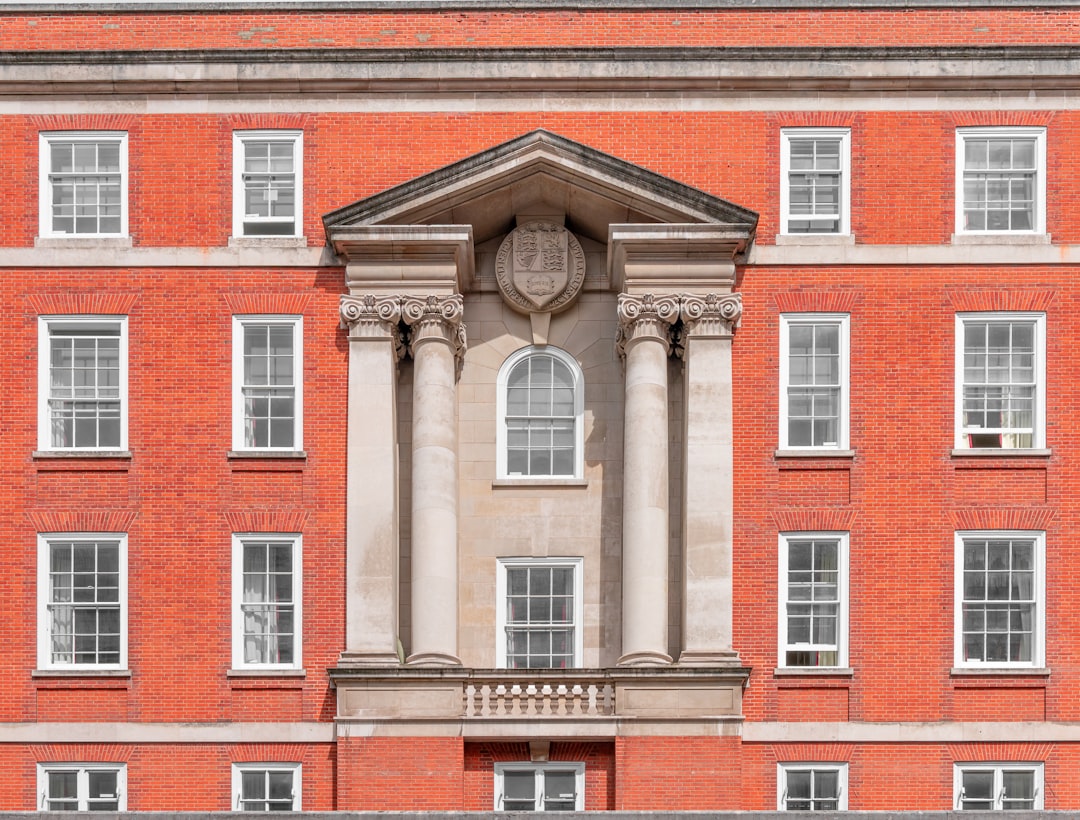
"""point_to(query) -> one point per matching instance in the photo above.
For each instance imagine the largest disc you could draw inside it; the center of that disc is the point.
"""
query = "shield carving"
(540, 267)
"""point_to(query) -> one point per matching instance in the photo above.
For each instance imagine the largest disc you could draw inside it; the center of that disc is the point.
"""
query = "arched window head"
(540, 408)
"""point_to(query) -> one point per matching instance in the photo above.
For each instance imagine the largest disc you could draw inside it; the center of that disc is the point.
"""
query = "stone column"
(645, 342)
(437, 342)
(708, 324)
(371, 499)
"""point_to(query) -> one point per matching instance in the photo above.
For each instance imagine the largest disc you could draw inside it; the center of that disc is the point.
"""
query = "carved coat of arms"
(540, 267)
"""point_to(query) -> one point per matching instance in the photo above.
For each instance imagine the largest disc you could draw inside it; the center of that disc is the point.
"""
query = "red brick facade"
(178, 720)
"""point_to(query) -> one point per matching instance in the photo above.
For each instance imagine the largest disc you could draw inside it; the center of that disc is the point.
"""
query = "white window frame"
(1003, 132)
(842, 540)
(238, 770)
(240, 323)
(240, 142)
(45, 196)
(46, 327)
(998, 769)
(501, 411)
(1038, 652)
(83, 770)
(786, 216)
(539, 770)
(784, 769)
(504, 564)
(238, 542)
(1038, 438)
(843, 322)
(45, 542)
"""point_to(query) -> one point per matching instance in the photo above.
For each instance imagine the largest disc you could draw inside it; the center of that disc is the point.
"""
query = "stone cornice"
(153, 73)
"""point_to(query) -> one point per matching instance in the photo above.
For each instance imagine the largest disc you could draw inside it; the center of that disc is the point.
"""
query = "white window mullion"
(813, 600)
(268, 394)
(268, 183)
(999, 593)
(814, 381)
(545, 777)
(1001, 180)
(815, 181)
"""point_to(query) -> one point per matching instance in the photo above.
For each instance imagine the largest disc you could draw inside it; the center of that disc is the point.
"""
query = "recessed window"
(83, 183)
(267, 183)
(812, 787)
(267, 383)
(1000, 617)
(540, 610)
(814, 381)
(539, 787)
(1000, 376)
(266, 786)
(82, 380)
(82, 601)
(1001, 180)
(998, 787)
(815, 180)
(540, 406)
(813, 599)
(82, 787)
(266, 601)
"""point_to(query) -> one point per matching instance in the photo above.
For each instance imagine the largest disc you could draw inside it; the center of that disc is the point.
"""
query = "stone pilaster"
(644, 341)
(436, 342)
(708, 323)
(371, 517)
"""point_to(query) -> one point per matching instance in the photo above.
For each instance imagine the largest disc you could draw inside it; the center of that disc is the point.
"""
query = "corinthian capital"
(645, 317)
(435, 318)
(711, 315)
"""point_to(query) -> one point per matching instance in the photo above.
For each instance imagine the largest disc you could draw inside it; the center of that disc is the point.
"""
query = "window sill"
(815, 239)
(260, 454)
(540, 482)
(812, 453)
(69, 454)
(80, 673)
(266, 673)
(1000, 238)
(267, 241)
(999, 672)
(998, 452)
(82, 241)
(813, 671)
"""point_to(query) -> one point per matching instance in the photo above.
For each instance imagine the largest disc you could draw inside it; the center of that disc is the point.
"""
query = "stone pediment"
(539, 172)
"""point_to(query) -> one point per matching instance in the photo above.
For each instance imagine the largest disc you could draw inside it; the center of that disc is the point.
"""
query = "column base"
(371, 659)
(644, 658)
(709, 657)
(433, 659)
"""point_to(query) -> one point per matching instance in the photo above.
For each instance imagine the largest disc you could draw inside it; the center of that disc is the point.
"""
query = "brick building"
(607, 405)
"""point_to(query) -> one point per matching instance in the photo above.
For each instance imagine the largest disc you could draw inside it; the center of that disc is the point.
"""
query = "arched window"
(540, 407)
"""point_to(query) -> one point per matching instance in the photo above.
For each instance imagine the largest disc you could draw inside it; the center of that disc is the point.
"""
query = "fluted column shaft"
(435, 343)
(644, 341)
(371, 498)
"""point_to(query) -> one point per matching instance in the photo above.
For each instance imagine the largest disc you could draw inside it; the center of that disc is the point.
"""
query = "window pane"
(519, 791)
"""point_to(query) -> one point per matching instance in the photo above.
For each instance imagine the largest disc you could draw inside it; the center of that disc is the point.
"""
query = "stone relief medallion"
(540, 268)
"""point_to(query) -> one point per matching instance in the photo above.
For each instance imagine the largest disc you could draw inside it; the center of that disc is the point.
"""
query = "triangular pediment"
(540, 172)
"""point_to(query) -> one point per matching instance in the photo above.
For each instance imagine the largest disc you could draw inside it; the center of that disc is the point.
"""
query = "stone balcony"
(527, 703)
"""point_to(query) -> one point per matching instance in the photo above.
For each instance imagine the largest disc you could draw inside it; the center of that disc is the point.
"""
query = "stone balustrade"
(518, 694)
